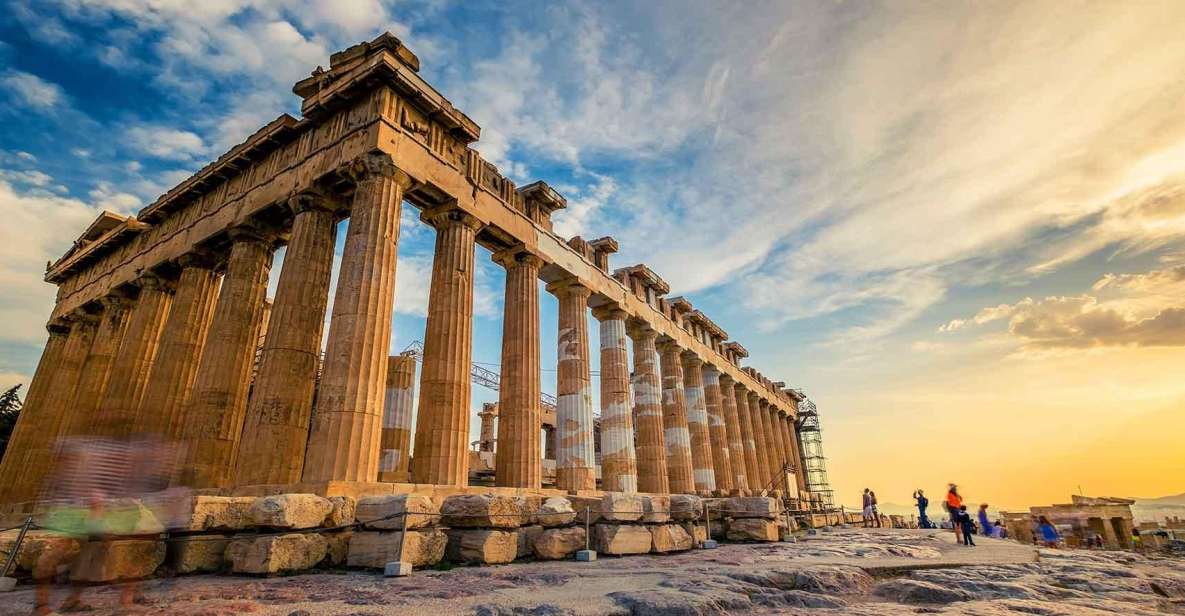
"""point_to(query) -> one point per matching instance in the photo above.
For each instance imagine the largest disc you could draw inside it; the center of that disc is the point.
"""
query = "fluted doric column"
(753, 472)
(777, 447)
(790, 435)
(676, 434)
(276, 427)
(56, 405)
(488, 432)
(647, 384)
(96, 372)
(347, 429)
(399, 405)
(181, 344)
(213, 415)
(118, 414)
(736, 447)
(576, 460)
(697, 425)
(619, 467)
(442, 429)
(717, 430)
(761, 441)
(13, 467)
(519, 463)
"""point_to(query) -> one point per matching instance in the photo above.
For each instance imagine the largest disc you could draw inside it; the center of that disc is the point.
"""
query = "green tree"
(10, 407)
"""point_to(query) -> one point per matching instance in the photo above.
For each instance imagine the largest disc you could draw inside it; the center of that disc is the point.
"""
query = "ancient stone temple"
(162, 327)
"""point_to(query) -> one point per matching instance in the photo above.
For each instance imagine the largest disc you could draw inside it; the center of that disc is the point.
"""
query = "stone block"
(217, 513)
(337, 547)
(119, 559)
(276, 553)
(686, 507)
(529, 504)
(621, 507)
(620, 539)
(7, 584)
(587, 508)
(482, 546)
(752, 529)
(483, 511)
(42, 552)
(669, 538)
(656, 509)
(556, 511)
(384, 512)
(752, 507)
(374, 550)
(290, 511)
(697, 531)
(344, 511)
(527, 535)
(199, 553)
(398, 568)
(559, 543)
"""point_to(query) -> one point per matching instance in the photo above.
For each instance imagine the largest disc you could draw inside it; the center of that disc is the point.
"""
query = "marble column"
(648, 425)
(55, 406)
(697, 425)
(347, 429)
(576, 462)
(761, 442)
(96, 371)
(12, 468)
(488, 434)
(777, 447)
(181, 344)
(619, 467)
(717, 430)
(519, 463)
(276, 427)
(442, 428)
(752, 469)
(795, 454)
(118, 414)
(398, 407)
(213, 415)
(551, 442)
(676, 434)
(732, 424)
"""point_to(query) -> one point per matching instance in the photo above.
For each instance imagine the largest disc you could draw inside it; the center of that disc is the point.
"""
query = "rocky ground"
(843, 572)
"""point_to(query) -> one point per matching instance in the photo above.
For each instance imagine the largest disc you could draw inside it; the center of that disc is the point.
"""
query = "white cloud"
(32, 91)
(107, 197)
(165, 143)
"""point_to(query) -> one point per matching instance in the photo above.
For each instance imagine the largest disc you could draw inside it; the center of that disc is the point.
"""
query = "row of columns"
(176, 361)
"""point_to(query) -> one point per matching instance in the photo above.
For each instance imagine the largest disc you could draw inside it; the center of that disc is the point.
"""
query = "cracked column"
(619, 467)
(676, 434)
(181, 345)
(575, 462)
(96, 371)
(276, 426)
(736, 447)
(442, 429)
(213, 415)
(397, 412)
(717, 430)
(761, 443)
(345, 434)
(648, 416)
(777, 468)
(55, 406)
(12, 468)
(752, 469)
(519, 463)
(697, 425)
(133, 363)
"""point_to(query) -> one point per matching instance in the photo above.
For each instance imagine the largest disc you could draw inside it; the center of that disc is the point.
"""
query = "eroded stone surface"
(555, 511)
(374, 550)
(218, 513)
(198, 553)
(669, 538)
(483, 511)
(293, 511)
(752, 529)
(276, 553)
(620, 539)
(559, 543)
(685, 507)
(386, 512)
(121, 559)
(482, 546)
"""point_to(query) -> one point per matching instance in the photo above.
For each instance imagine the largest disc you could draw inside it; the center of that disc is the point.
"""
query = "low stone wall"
(284, 533)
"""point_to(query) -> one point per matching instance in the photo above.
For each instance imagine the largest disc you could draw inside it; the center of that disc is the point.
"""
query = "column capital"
(726, 379)
(198, 259)
(80, 316)
(667, 344)
(314, 201)
(250, 233)
(689, 358)
(116, 300)
(151, 281)
(514, 255)
(569, 287)
(637, 329)
(450, 214)
(376, 164)
(610, 312)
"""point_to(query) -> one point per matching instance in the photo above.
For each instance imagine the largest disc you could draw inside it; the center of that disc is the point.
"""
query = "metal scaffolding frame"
(810, 440)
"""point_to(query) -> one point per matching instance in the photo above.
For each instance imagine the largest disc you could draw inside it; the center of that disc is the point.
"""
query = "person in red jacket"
(953, 502)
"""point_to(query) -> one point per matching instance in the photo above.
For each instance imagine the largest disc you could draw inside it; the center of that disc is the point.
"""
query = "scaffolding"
(810, 440)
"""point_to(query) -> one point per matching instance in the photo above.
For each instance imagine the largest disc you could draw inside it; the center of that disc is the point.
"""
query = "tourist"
(1003, 534)
(953, 502)
(922, 502)
(963, 520)
(986, 528)
(876, 516)
(867, 508)
(1049, 535)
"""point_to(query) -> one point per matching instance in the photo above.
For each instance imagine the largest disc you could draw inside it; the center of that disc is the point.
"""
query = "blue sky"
(933, 217)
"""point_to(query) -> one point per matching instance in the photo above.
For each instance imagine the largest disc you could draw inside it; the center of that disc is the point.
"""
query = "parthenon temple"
(162, 327)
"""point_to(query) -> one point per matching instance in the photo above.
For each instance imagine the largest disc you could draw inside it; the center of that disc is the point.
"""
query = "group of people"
(872, 517)
(964, 526)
